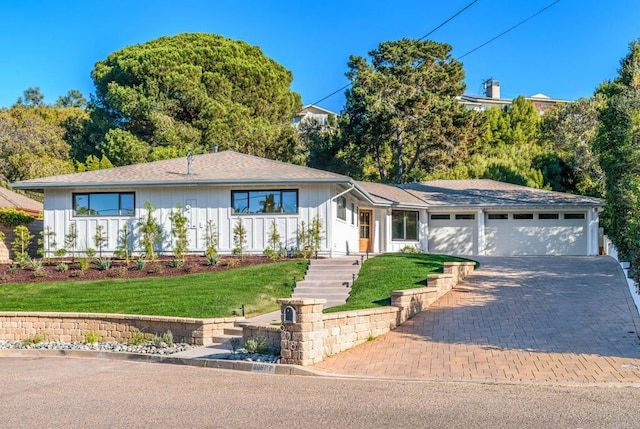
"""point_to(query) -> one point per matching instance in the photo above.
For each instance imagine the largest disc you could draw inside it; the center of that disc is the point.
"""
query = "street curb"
(236, 365)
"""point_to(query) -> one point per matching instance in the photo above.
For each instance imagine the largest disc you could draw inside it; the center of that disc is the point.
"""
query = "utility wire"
(423, 37)
(510, 29)
(445, 22)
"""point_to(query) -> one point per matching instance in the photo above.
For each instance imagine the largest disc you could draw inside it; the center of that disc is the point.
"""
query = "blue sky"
(566, 52)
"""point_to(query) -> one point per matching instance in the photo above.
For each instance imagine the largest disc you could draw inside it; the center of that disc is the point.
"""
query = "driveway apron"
(535, 319)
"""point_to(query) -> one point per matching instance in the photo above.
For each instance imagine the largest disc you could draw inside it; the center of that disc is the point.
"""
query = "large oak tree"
(162, 98)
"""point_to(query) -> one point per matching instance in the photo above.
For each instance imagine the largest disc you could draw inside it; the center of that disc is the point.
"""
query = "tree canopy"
(618, 147)
(162, 98)
(402, 117)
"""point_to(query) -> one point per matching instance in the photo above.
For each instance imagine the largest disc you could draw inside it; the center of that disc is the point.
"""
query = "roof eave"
(146, 184)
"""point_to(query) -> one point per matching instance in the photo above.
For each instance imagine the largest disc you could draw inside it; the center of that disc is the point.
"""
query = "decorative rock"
(147, 348)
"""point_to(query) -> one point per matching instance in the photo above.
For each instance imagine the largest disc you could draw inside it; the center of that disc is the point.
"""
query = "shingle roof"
(389, 194)
(11, 199)
(490, 193)
(227, 167)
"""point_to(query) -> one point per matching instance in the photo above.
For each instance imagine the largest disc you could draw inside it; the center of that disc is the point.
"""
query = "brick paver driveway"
(536, 319)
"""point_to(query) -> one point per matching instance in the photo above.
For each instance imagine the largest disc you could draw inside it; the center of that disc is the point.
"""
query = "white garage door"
(453, 234)
(511, 234)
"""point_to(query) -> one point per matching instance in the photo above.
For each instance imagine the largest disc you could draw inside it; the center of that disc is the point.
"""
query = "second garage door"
(511, 234)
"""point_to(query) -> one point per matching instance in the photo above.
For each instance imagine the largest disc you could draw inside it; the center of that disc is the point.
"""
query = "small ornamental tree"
(47, 242)
(21, 243)
(124, 241)
(273, 250)
(179, 232)
(210, 238)
(303, 239)
(239, 238)
(71, 239)
(150, 231)
(315, 236)
(100, 239)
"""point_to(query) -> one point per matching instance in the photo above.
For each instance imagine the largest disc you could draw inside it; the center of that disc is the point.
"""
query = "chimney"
(491, 88)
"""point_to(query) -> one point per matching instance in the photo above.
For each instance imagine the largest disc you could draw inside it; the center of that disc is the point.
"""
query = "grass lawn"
(197, 295)
(391, 271)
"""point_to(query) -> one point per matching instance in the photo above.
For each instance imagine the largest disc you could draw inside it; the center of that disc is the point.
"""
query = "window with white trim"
(404, 225)
(104, 204)
(268, 201)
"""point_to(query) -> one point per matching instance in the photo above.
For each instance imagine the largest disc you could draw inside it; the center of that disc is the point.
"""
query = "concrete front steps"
(330, 279)
(227, 334)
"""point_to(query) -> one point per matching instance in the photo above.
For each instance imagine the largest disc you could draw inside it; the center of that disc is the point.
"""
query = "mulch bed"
(161, 267)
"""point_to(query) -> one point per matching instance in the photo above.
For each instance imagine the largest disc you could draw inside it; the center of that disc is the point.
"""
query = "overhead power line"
(510, 29)
(423, 37)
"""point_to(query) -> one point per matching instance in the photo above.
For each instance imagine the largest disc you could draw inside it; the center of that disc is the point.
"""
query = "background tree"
(192, 91)
(402, 115)
(32, 97)
(32, 142)
(618, 147)
(570, 129)
(73, 98)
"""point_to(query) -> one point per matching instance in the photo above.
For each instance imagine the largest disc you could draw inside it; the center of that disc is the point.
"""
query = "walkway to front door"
(540, 319)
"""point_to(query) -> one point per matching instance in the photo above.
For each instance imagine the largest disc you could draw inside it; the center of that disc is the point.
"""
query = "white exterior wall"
(344, 232)
(207, 203)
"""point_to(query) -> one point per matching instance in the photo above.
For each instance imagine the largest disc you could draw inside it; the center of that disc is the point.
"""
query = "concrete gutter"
(237, 365)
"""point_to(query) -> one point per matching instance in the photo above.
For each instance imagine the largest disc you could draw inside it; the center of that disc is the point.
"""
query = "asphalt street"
(97, 393)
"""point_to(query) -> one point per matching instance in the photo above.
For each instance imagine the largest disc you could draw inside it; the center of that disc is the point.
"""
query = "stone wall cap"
(452, 263)
(302, 301)
(111, 316)
(439, 276)
(415, 291)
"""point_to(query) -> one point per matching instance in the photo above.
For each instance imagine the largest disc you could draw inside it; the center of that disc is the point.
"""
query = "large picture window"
(404, 225)
(104, 204)
(272, 201)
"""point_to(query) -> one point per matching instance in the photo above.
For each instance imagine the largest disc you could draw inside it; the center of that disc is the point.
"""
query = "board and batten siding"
(200, 204)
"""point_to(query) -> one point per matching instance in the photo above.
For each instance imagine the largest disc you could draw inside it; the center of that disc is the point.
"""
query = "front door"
(364, 224)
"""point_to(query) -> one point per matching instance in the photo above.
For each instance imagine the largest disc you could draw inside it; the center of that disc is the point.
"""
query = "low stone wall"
(309, 335)
(19, 326)
(347, 329)
(271, 334)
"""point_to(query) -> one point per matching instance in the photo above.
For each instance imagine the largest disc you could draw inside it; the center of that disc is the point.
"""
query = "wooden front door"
(364, 225)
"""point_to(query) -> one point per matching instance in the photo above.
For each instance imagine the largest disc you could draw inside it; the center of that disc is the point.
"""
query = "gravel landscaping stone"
(147, 348)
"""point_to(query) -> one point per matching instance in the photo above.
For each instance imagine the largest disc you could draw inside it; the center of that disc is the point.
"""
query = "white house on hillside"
(467, 217)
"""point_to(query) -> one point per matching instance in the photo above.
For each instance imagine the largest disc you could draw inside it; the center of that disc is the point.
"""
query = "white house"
(472, 217)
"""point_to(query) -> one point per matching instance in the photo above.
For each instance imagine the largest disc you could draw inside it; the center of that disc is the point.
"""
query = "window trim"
(548, 216)
(353, 213)
(497, 216)
(523, 216)
(465, 216)
(118, 193)
(341, 209)
(404, 225)
(574, 216)
(273, 191)
(438, 216)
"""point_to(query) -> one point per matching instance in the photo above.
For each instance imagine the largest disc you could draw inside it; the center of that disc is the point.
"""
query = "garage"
(531, 233)
(453, 233)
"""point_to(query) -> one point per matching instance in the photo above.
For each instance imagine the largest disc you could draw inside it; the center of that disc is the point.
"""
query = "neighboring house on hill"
(458, 217)
(10, 199)
(20, 202)
(491, 98)
(313, 112)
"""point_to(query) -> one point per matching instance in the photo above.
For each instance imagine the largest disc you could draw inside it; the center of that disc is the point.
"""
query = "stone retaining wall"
(19, 326)
(312, 335)
(271, 334)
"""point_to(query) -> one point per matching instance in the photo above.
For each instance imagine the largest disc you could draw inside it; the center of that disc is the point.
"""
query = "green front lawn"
(197, 295)
(391, 271)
